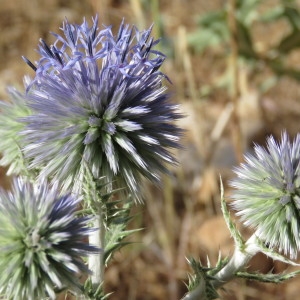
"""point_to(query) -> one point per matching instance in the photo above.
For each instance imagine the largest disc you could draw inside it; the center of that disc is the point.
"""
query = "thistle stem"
(97, 237)
(238, 261)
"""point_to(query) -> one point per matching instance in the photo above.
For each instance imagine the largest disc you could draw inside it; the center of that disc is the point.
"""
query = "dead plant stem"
(236, 127)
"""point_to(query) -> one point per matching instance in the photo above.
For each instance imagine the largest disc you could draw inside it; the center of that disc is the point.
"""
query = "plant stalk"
(238, 261)
(235, 91)
(97, 238)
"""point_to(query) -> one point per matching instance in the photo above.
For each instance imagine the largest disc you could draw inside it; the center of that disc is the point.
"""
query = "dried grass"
(183, 218)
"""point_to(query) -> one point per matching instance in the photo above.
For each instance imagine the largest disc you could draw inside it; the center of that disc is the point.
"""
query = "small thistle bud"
(10, 126)
(41, 242)
(98, 100)
(267, 194)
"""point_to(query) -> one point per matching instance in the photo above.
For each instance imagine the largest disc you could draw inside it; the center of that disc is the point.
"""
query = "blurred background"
(235, 71)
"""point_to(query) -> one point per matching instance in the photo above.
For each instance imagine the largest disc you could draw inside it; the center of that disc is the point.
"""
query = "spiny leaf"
(268, 278)
(230, 224)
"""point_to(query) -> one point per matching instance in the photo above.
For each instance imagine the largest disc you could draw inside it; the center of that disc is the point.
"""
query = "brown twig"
(236, 127)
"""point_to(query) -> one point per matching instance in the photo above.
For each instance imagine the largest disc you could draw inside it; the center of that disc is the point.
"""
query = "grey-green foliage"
(268, 278)
(115, 212)
(118, 217)
(213, 33)
(94, 293)
(203, 276)
(213, 28)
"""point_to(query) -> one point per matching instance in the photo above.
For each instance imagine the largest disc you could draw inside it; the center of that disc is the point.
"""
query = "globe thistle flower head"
(99, 100)
(267, 193)
(10, 125)
(41, 241)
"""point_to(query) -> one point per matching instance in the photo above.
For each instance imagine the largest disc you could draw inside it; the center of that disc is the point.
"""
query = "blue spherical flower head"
(267, 194)
(98, 100)
(41, 242)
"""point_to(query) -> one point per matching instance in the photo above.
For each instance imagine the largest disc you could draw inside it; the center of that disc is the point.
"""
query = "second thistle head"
(267, 194)
(42, 241)
(98, 100)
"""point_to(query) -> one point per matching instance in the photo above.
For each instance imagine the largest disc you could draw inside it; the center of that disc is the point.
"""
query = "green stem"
(96, 261)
